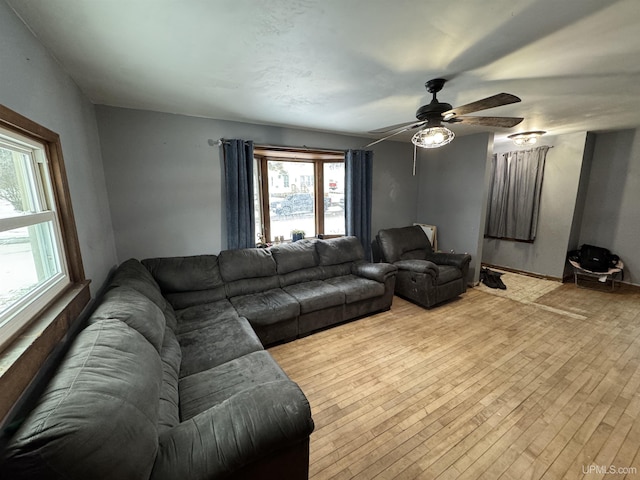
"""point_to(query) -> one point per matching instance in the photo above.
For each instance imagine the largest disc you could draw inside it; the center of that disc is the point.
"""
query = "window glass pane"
(291, 198)
(28, 258)
(334, 221)
(17, 185)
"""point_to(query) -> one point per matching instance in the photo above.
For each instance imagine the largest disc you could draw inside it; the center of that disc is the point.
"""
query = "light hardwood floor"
(486, 386)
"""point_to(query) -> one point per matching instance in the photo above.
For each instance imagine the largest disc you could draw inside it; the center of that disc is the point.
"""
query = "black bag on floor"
(492, 279)
(597, 259)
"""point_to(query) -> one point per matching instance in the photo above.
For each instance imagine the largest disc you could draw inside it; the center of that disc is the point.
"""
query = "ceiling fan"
(434, 114)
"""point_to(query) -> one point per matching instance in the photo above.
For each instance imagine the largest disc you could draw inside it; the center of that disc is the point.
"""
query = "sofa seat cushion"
(97, 418)
(201, 391)
(357, 288)
(199, 316)
(266, 308)
(313, 296)
(447, 273)
(216, 342)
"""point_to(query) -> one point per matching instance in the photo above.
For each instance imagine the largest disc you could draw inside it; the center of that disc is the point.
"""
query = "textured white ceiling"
(351, 66)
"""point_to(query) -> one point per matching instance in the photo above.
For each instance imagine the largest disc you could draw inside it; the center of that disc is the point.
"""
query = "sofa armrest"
(251, 425)
(460, 260)
(418, 266)
(374, 271)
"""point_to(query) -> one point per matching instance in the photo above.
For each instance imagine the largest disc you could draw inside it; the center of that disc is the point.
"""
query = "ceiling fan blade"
(391, 128)
(504, 122)
(489, 102)
(410, 127)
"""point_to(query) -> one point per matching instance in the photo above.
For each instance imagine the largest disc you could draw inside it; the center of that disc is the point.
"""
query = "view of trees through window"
(299, 195)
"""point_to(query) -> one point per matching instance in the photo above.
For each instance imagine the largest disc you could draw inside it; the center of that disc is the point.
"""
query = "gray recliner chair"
(424, 277)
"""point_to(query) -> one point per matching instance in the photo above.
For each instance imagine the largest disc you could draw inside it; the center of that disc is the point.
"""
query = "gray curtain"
(358, 196)
(238, 168)
(497, 204)
(514, 194)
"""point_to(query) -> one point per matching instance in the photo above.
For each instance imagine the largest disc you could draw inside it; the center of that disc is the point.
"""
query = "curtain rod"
(280, 148)
(294, 149)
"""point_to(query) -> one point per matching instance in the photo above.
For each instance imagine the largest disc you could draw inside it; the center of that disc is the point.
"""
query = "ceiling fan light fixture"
(432, 137)
(526, 138)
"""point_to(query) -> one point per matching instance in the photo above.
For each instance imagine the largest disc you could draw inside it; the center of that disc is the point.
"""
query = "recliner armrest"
(418, 266)
(379, 272)
(460, 260)
(252, 424)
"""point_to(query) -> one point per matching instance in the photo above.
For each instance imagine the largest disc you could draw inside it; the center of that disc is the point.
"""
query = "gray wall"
(611, 216)
(33, 84)
(581, 198)
(164, 179)
(395, 188)
(452, 195)
(547, 254)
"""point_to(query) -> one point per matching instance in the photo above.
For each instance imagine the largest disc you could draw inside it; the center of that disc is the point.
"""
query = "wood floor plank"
(538, 386)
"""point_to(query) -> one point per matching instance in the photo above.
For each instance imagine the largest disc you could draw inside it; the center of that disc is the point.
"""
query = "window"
(35, 242)
(298, 190)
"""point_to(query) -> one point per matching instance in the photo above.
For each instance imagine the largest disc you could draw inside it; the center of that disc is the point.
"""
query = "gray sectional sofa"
(170, 379)
(284, 292)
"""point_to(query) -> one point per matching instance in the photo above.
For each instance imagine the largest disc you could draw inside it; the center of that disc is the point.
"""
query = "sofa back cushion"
(246, 263)
(188, 281)
(339, 250)
(294, 256)
(183, 274)
(248, 286)
(303, 275)
(134, 309)
(405, 243)
(134, 275)
(97, 417)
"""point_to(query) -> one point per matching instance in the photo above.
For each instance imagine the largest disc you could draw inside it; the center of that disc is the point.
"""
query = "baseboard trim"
(523, 272)
(565, 279)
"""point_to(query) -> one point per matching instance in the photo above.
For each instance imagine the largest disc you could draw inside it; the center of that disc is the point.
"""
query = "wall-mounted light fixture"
(526, 138)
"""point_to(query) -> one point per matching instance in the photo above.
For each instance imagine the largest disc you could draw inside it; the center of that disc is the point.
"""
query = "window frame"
(264, 154)
(43, 214)
(61, 208)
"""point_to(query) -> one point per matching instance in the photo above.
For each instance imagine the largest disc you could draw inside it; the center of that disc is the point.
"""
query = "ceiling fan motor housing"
(432, 112)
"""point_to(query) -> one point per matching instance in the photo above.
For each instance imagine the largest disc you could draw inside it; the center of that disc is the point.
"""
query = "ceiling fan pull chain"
(415, 152)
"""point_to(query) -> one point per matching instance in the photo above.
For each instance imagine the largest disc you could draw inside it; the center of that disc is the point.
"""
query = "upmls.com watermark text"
(608, 470)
